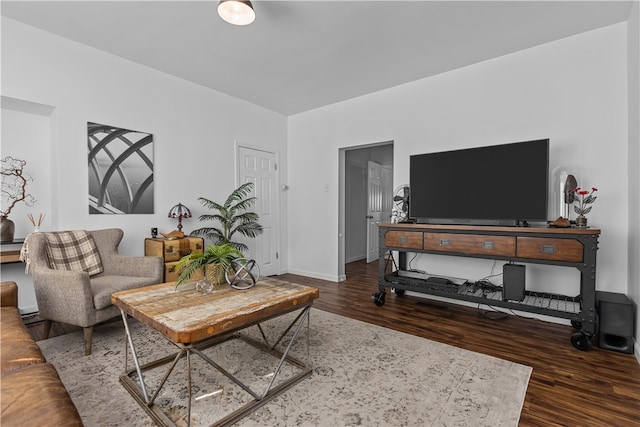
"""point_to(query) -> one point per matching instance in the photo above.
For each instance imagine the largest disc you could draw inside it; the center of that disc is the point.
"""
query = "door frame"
(342, 202)
(277, 210)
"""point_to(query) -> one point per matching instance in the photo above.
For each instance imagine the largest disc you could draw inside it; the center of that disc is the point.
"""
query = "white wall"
(194, 130)
(573, 91)
(634, 161)
(23, 124)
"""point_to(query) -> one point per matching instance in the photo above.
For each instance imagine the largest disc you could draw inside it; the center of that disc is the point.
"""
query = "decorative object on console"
(583, 199)
(236, 12)
(560, 222)
(36, 224)
(562, 193)
(179, 211)
(400, 210)
(175, 234)
(14, 184)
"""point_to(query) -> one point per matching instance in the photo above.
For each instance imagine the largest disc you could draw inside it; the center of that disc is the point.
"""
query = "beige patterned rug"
(364, 375)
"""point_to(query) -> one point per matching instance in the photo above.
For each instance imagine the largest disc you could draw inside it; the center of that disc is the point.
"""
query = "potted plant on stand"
(232, 218)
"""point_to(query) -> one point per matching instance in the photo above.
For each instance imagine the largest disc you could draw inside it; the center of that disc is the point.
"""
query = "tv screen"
(495, 185)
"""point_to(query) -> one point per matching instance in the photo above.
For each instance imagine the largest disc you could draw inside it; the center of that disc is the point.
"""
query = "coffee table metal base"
(140, 390)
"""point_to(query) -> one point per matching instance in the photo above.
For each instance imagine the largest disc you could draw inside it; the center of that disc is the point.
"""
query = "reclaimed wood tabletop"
(185, 316)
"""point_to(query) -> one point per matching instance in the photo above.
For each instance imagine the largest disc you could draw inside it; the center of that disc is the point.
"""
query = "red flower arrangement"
(584, 198)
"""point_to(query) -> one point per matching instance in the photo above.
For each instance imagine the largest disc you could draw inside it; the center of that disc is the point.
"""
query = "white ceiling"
(301, 55)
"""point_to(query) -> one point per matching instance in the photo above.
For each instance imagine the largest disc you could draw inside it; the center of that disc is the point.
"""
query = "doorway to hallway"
(366, 198)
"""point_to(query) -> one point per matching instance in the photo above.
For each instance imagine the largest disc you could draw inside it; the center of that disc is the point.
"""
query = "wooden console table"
(10, 251)
(569, 247)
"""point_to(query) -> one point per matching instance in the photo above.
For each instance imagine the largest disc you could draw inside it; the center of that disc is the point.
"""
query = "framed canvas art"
(120, 170)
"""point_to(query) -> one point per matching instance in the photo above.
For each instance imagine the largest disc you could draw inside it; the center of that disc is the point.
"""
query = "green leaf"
(231, 217)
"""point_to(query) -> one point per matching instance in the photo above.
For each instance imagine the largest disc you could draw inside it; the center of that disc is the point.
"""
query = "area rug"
(364, 375)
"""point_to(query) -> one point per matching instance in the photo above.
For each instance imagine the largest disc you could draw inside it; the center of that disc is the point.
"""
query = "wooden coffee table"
(193, 322)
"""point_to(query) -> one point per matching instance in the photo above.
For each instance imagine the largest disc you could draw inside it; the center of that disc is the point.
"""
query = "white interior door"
(260, 167)
(374, 208)
(387, 194)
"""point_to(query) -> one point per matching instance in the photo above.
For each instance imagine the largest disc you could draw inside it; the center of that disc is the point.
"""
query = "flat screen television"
(505, 184)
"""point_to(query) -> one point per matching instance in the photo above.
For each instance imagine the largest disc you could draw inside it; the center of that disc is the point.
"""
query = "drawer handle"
(444, 242)
(169, 249)
(487, 245)
(402, 239)
(548, 249)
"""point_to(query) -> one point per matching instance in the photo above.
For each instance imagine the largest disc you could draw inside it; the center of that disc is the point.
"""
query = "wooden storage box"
(170, 275)
(172, 250)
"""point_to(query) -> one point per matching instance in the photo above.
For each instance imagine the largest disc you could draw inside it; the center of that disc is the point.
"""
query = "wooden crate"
(170, 275)
(172, 250)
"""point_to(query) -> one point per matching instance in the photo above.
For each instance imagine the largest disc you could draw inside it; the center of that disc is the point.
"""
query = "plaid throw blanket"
(73, 250)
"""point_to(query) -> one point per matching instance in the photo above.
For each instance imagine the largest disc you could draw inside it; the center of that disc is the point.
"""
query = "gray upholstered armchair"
(71, 290)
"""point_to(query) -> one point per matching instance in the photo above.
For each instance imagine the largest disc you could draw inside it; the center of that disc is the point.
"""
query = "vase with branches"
(14, 190)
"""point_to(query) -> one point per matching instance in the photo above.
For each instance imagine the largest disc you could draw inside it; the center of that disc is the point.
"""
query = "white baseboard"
(314, 275)
(355, 258)
(28, 311)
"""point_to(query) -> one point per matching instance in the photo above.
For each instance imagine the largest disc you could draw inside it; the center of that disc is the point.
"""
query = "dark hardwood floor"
(568, 387)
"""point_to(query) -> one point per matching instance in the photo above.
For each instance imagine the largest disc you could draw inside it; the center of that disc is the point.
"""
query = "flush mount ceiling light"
(236, 12)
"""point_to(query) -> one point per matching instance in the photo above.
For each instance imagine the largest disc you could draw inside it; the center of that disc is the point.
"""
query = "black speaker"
(616, 322)
(513, 282)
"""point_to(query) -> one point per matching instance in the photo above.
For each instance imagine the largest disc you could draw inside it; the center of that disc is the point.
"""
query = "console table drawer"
(403, 239)
(553, 249)
(470, 244)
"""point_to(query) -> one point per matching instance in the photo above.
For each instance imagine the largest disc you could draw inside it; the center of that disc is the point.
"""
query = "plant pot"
(7, 229)
(212, 274)
(581, 221)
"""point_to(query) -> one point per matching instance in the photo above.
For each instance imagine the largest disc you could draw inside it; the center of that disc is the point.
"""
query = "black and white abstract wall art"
(120, 170)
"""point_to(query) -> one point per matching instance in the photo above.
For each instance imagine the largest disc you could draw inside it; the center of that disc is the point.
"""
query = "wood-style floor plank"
(568, 387)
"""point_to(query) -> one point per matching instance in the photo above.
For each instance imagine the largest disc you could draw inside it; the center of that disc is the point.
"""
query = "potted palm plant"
(232, 218)
(212, 262)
